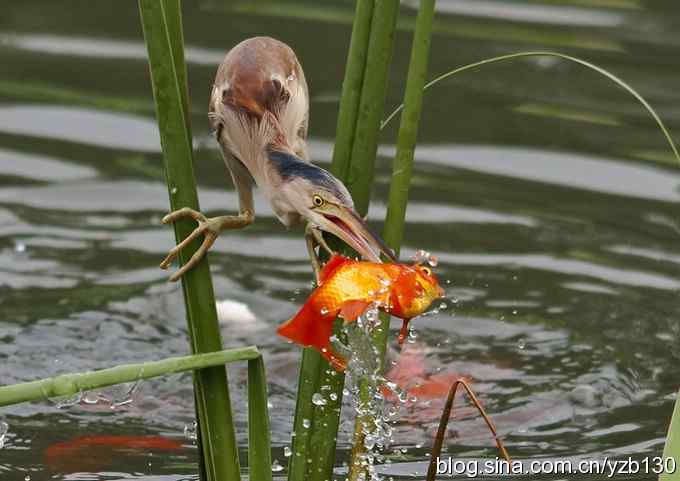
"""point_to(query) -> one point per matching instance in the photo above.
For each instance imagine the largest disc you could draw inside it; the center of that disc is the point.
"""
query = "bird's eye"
(427, 271)
(318, 201)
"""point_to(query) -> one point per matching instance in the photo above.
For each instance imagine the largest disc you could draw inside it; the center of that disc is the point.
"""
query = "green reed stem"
(398, 195)
(72, 384)
(351, 89)
(372, 103)
(513, 56)
(259, 437)
(318, 441)
(162, 25)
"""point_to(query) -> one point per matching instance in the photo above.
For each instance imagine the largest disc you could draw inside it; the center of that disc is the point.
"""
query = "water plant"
(361, 108)
(162, 25)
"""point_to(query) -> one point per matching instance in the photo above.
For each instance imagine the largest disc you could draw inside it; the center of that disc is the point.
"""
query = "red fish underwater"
(95, 453)
(347, 288)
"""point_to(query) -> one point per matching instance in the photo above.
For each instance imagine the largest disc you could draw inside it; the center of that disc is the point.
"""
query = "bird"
(259, 114)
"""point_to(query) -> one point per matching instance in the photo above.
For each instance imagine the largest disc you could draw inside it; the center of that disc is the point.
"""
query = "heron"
(259, 114)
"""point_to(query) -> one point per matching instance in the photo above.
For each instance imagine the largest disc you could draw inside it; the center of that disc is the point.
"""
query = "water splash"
(127, 397)
(4, 429)
(191, 431)
(318, 399)
(67, 402)
(365, 392)
(276, 466)
(424, 257)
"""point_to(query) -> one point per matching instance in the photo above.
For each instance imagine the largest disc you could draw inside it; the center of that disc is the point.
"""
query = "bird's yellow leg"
(313, 238)
(209, 227)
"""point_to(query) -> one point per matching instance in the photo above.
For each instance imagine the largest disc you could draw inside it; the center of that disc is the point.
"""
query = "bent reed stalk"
(73, 384)
(513, 56)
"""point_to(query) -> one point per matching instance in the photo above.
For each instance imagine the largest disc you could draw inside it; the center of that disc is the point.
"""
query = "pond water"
(549, 196)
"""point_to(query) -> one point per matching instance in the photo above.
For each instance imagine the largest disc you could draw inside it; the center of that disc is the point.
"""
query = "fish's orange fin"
(309, 327)
(350, 310)
(329, 267)
(404, 332)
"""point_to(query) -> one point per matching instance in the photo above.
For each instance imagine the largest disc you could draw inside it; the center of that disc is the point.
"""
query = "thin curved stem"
(579, 61)
(444, 422)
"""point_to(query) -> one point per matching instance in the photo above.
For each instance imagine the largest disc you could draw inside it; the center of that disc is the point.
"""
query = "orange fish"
(94, 453)
(347, 288)
(411, 373)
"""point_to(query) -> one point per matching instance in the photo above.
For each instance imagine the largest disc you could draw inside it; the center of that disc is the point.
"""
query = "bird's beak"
(348, 226)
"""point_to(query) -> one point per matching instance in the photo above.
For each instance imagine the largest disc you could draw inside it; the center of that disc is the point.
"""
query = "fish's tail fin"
(311, 328)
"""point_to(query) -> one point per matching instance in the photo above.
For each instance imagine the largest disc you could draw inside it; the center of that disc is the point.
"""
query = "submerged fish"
(96, 453)
(412, 374)
(347, 288)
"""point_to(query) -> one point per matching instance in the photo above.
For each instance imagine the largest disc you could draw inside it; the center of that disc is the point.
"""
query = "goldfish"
(411, 373)
(347, 288)
(96, 453)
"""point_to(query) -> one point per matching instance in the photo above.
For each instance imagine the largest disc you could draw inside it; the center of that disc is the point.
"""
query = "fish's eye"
(318, 201)
(427, 271)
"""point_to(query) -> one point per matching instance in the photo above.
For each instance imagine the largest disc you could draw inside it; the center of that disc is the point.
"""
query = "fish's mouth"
(356, 233)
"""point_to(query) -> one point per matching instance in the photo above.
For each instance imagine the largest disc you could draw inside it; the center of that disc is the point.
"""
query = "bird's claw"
(208, 227)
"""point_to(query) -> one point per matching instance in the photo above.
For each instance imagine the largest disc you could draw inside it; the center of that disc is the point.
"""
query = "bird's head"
(320, 198)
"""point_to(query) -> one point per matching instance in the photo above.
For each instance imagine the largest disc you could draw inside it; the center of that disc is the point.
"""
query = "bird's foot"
(209, 227)
(313, 238)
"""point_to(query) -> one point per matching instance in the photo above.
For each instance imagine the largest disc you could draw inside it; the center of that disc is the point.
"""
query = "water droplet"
(174, 190)
(443, 306)
(127, 397)
(276, 466)
(372, 315)
(269, 404)
(68, 402)
(287, 451)
(19, 247)
(324, 311)
(412, 335)
(318, 400)
(190, 431)
(27, 477)
(333, 396)
(4, 429)
(521, 344)
(306, 423)
(91, 398)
